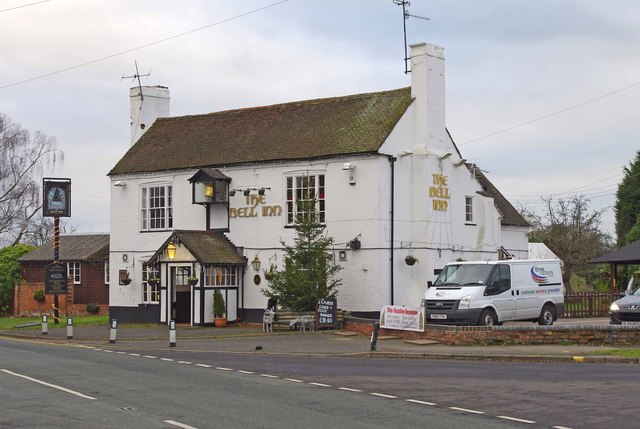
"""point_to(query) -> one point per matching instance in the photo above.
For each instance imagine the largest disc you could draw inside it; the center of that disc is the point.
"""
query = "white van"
(491, 292)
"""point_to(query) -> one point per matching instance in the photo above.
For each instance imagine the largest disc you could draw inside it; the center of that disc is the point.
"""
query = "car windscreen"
(464, 275)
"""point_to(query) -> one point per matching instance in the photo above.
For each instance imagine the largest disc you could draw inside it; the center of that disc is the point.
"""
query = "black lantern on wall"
(210, 186)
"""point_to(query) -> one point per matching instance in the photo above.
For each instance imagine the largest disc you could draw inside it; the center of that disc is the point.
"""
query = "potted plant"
(219, 310)
(125, 280)
(38, 295)
(153, 281)
(192, 280)
(269, 275)
(410, 259)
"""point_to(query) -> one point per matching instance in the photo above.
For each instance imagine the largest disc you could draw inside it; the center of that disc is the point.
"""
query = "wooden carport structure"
(626, 255)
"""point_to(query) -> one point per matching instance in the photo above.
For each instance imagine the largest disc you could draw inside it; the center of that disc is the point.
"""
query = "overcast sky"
(543, 95)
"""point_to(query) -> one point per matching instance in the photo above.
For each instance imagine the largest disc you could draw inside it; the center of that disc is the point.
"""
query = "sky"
(541, 95)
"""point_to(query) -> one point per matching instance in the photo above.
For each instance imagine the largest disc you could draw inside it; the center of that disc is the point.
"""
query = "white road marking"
(466, 410)
(185, 362)
(415, 401)
(222, 368)
(121, 353)
(166, 359)
(348, 389)
(382, 395)
(513, 419)
(108, 351)
(295, 380)
(96, 349)
(320, 384)
(269, 376)
(203, 365)
(245, 372)
(150, 357)
(560, 427)
(134, 354)
(180, 425)
(64, 389)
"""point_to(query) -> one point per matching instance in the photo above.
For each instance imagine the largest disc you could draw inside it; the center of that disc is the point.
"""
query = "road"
(174, 388)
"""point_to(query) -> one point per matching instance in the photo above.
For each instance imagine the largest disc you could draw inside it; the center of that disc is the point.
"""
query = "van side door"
(500, 292)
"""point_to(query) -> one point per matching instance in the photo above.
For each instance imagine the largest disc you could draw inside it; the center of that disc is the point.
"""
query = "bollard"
(114, 331)
(45, 330)
(69, 328)
(172, 333)
(374, 336)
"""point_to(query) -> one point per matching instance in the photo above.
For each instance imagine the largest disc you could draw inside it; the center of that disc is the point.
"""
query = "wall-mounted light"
(406, 152)
(120, 183)
(246, 192)
(261, 191)
(256, 264)
(171, 251)
(460, 163)
(348, 166)
(232, 192)
(445, 156)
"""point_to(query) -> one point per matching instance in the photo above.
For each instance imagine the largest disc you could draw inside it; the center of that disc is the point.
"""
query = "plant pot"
(125, 281)
(410, 260)
(220, 322)
(193, 282)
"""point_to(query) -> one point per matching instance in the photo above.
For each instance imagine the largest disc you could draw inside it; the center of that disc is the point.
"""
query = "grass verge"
(9, 323)
(630, 353)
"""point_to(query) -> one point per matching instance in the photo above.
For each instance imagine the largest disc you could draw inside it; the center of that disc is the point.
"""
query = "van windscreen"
(464, 275)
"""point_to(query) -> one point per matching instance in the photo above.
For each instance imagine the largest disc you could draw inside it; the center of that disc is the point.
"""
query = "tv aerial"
(137, 76)
(406, 15)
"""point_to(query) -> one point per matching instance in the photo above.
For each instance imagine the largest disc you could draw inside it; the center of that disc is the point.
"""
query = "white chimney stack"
(146, 107)
(427, 88)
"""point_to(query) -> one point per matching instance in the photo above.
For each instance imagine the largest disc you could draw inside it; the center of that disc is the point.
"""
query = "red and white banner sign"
(402, 318)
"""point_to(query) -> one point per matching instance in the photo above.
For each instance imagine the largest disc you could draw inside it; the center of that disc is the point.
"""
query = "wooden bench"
(292, 320)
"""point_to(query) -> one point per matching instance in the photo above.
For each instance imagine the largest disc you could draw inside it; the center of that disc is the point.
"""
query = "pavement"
(248, 338)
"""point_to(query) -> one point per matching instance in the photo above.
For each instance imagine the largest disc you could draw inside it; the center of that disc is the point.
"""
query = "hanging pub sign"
(55, 281)
(326, 313)
(56, 197)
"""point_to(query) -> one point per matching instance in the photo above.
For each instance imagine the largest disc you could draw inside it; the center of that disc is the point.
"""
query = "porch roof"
(208, 247)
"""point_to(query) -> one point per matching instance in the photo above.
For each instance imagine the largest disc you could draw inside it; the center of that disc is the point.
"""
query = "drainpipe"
(392, 161)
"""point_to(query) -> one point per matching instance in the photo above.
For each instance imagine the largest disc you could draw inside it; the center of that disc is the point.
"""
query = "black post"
(56, 257)
(374, 336)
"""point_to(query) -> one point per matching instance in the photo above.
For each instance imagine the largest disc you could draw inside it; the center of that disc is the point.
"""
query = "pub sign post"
(56, 203)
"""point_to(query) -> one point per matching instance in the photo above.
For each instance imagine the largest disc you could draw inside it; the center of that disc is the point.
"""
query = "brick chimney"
(146, 107)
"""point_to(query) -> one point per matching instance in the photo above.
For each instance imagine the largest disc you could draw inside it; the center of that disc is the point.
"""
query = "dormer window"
(210, 186)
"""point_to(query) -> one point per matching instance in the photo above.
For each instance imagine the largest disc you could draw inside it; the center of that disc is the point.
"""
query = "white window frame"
(468, 209)
(106, 272)
(156, 207)
(149, 292)
(74, 272)
(222, 275)
(302, 187)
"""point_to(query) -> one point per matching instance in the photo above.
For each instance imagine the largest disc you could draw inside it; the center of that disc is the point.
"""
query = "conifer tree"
(309, 268)
(628, 200)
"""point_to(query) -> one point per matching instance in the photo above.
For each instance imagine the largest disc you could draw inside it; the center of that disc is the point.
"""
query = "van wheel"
(547, 315)
(488, 318)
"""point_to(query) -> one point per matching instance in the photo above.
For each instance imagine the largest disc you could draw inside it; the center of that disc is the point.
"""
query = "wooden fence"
(589, 304)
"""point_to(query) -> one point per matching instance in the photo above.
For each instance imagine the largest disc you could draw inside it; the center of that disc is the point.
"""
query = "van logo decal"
(540, 275)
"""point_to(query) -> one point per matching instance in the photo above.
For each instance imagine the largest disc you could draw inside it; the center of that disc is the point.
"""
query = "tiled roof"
(81, 247)
(510, 216)
(208, 247)
(299, 130)
(629, 254)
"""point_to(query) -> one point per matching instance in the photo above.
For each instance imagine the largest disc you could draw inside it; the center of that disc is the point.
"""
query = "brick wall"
(509, 335)
(91, 290)
(25, 306)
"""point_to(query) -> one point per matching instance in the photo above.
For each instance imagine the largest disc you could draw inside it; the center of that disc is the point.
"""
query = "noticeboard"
(326, 309)
(55, 282)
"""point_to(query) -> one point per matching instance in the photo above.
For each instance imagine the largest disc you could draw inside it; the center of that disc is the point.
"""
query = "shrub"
(93, 308)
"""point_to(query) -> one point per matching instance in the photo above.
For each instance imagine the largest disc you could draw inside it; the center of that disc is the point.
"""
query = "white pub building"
(202, 202)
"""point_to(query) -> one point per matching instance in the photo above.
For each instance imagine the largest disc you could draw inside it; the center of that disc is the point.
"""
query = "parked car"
(626, 310)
